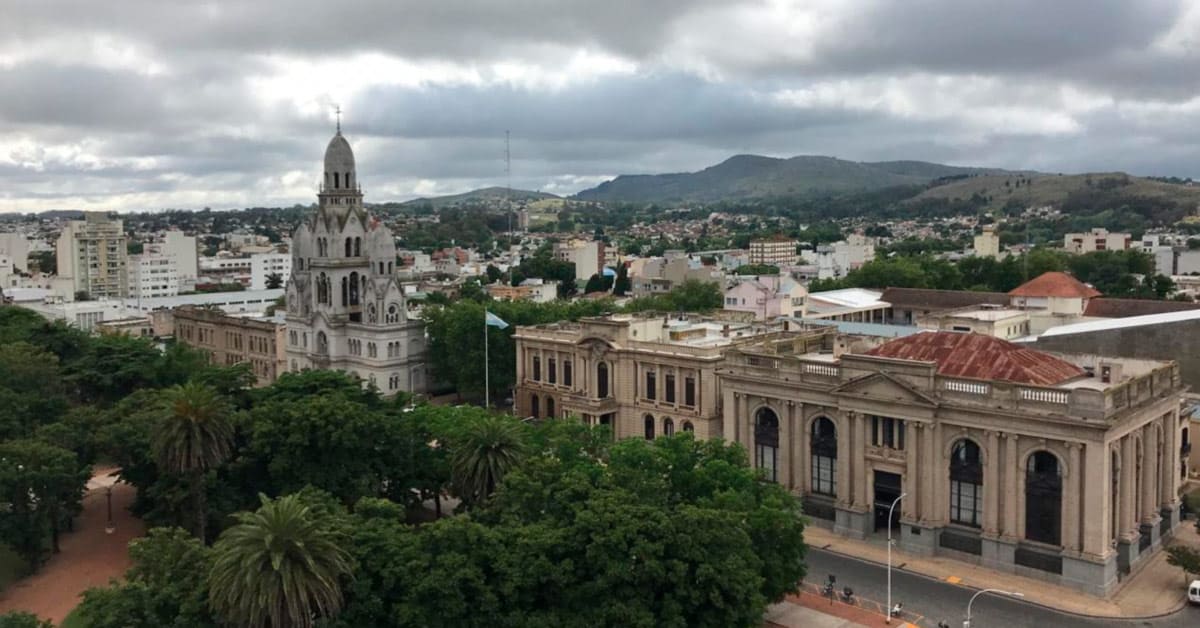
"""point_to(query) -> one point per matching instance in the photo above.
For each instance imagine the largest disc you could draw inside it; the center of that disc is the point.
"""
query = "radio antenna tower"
(508, 182)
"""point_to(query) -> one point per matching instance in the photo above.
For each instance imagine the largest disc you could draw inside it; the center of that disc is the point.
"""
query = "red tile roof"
(977, 356)
(1121, 308)
(1054, 284)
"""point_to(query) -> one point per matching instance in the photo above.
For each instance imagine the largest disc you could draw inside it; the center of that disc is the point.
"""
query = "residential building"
(848, 304)
(232, 302)
(987, 243)
(777, 250)
(152, 275)
(767, 297)
(346, 308)
(1063, 467)
(1098, 239)
(1056, 292)
(229, 340)
(92, 252)
(534, 289)
(659, 275)
(15, 246)
(908, 304)
(996, 321)
(587, 255)
(265, 266)
(138, 326)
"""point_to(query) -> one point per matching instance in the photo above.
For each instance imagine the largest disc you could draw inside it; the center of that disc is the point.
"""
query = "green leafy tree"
(279, 566)
(757, 269)
(482, 454)
(31, 390)
(594, 284)
(1184, 557)
(21, 619)
(274, 281)
(165, 586)
(194, 437)
(494, 274)
(41, 488)
(622, 285)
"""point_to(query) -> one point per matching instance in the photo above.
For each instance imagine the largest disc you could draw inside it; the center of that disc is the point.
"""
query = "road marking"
(953, 579)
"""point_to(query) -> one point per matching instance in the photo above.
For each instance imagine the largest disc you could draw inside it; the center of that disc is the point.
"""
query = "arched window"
(322, 343)
(345, 292)
(687, 426)
(349, 246)
(602, 380)
(354, 288)
(668, 427)
(649, 424)
(766, 443)
(824, 457)
(371, 314)
(1043, 498)
(537, 369)
(357, 244)
(393, 313)
(966, 484)
(535, 409)
(551, 370)
(549, 407)
(336, 179)
(348, 179)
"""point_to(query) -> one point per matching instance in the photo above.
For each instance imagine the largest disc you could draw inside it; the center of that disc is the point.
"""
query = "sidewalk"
(810, 610)
(1154, 588)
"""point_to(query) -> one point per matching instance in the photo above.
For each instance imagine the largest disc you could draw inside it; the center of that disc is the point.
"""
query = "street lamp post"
(967, 622)
(109, 528)
(888, 614)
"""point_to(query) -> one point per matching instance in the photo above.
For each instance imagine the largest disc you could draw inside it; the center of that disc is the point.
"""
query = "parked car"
(1194, 592)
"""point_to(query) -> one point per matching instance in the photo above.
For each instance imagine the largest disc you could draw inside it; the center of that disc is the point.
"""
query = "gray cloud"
(144, 103)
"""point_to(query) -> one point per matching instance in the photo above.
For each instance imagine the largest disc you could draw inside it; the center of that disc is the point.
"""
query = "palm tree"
(487, 450)
(194, 436)
(278, 566)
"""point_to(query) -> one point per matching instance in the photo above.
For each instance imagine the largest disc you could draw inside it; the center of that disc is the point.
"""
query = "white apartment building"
(776, 251)
(15, 246)
(1098, 239)
(165, 268)
(264, 265)
(92, 253)
(987, 244)
(587, 255)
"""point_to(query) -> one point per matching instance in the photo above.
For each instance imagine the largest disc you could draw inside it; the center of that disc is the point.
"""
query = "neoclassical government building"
(1061, 467)
(345, 307)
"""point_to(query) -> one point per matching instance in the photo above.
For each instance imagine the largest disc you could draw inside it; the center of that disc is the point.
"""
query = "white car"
(1194, 592)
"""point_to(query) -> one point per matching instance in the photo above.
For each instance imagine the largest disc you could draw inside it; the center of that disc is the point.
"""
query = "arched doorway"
(668, 427)
(550, 407)
(535, 407)
(648, 423)
(1043, 498)
(966, 484)
(766, 443)
(823, 447)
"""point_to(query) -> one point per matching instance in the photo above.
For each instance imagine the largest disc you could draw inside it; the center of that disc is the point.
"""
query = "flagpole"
(486, 370)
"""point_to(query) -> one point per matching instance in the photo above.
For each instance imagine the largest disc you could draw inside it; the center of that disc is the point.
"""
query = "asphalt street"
(933, 600)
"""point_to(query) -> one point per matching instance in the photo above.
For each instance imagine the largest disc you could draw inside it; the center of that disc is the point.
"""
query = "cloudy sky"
(148, 104)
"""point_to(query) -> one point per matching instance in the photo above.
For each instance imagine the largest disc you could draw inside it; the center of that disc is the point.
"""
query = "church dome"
(338, 157)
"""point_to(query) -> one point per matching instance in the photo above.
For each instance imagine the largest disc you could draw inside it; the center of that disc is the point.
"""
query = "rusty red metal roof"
(977, 356)
(1054, 284)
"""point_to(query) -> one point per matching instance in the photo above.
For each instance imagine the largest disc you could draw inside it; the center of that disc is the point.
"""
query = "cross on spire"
(338, 110)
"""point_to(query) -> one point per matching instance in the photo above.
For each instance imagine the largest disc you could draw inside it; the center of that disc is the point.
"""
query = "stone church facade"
(346, 310)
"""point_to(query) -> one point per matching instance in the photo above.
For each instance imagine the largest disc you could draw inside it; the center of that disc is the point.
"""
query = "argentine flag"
(493, 320)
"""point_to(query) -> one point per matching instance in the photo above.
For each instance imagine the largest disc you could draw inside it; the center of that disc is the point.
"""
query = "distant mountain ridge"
(756, 176)
(482, 195)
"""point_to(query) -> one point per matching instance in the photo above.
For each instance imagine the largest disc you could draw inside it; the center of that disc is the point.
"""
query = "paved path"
(927, 600)
(89, 556)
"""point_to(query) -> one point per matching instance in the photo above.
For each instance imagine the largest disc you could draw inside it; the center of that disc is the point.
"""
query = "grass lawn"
(12, 566)
(74, 620)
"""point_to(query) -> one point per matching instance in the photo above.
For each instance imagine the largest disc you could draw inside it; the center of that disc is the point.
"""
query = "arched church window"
(393, 313)
(349, 246)
(354, 288)
(371, 313)
(357, 247)
(336, 180)
(348, 184)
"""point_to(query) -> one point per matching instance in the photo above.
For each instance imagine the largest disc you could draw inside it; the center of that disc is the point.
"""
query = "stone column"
(1096, 484)
(1170, 477)
(1011, 487)
(991, 485)
(1128, 473)
(844, 485)
(747, 425)
(858, 457)
(1149, 505)
(910, 506)
(786, 436)
(1073, 485)
(729, 417)
(930, 499)
(802, 451)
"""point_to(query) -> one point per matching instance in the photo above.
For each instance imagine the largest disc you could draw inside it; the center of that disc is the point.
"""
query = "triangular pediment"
(883, 387)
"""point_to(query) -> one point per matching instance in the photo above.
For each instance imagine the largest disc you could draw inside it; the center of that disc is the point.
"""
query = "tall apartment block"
(92, 253)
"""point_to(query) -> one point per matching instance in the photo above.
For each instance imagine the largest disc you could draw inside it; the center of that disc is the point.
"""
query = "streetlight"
(888, 615)
(110, 528)
(967, 623)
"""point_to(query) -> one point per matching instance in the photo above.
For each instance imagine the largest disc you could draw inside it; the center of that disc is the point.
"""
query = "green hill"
(1098, 189)
(755, 176)
(484, 196)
